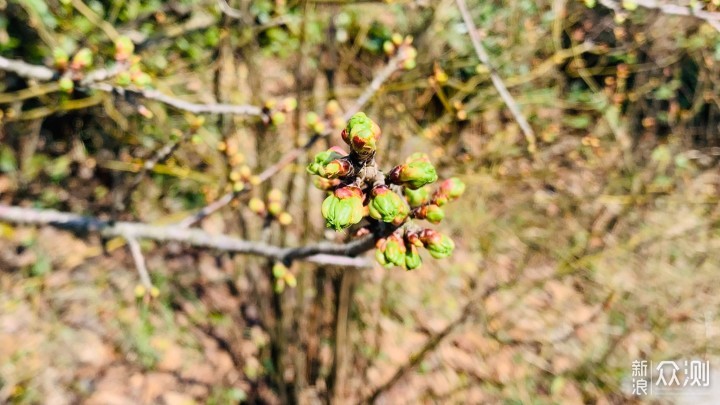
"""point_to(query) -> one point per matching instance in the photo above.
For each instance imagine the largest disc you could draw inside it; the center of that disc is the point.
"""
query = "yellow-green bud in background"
(124, 48)
(60, 58)
(83, 59)
(66, 85)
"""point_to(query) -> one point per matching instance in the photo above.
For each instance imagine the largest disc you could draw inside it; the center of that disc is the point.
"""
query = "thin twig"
(139, 262)
(382, 76)
(321, 253)
(495, 77)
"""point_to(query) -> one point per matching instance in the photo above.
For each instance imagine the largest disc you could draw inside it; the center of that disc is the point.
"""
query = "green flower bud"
(66, 85)
(322, 159)
(416, 172)
(60, 58)
(325, 184)
(417, 197)
(274, 208)
(450, 189)
(343, 208)
(387, 206)
(337, 168)
(123, 79)
(389, 47)
(277, 118)
(412, 258)
(431, 212)
(257, 206)
(439, 245)
(361, 133)
(124, 48)
(391, 251)
(142, 79)
(83, 59)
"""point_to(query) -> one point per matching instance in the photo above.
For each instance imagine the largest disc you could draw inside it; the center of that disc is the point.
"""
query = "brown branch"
(495, 77)
(381, 77)
(320, 253)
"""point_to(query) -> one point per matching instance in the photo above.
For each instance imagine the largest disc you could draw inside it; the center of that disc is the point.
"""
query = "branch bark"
(320, 253)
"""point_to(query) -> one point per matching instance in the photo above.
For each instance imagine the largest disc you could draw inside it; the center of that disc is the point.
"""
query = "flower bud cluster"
(358, 190)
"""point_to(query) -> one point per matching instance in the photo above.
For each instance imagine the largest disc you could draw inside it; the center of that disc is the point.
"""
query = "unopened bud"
(274, 208)
(362, 134)
(415, 173)
(124, 48)
(275, 195)
(66, 85)
(387, 206)
(284, 218)
(431, 212)
(417, 197)
(439, 245)
(412, 258)
(343, 208)
(277, 118)
(83, 59)
(257, 206)
(60, 58)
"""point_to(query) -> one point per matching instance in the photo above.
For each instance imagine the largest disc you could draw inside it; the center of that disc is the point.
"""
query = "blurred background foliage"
(573, 261)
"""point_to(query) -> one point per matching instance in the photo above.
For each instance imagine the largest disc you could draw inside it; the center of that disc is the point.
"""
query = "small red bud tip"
(348, 192)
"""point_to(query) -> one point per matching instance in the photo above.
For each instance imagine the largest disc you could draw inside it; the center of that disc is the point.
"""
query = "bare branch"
(92, 78)
(194, 108)
(495, 77)
(26, 70)
(321, 253)
(712, 18)
(381, 77)
(139, 262)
